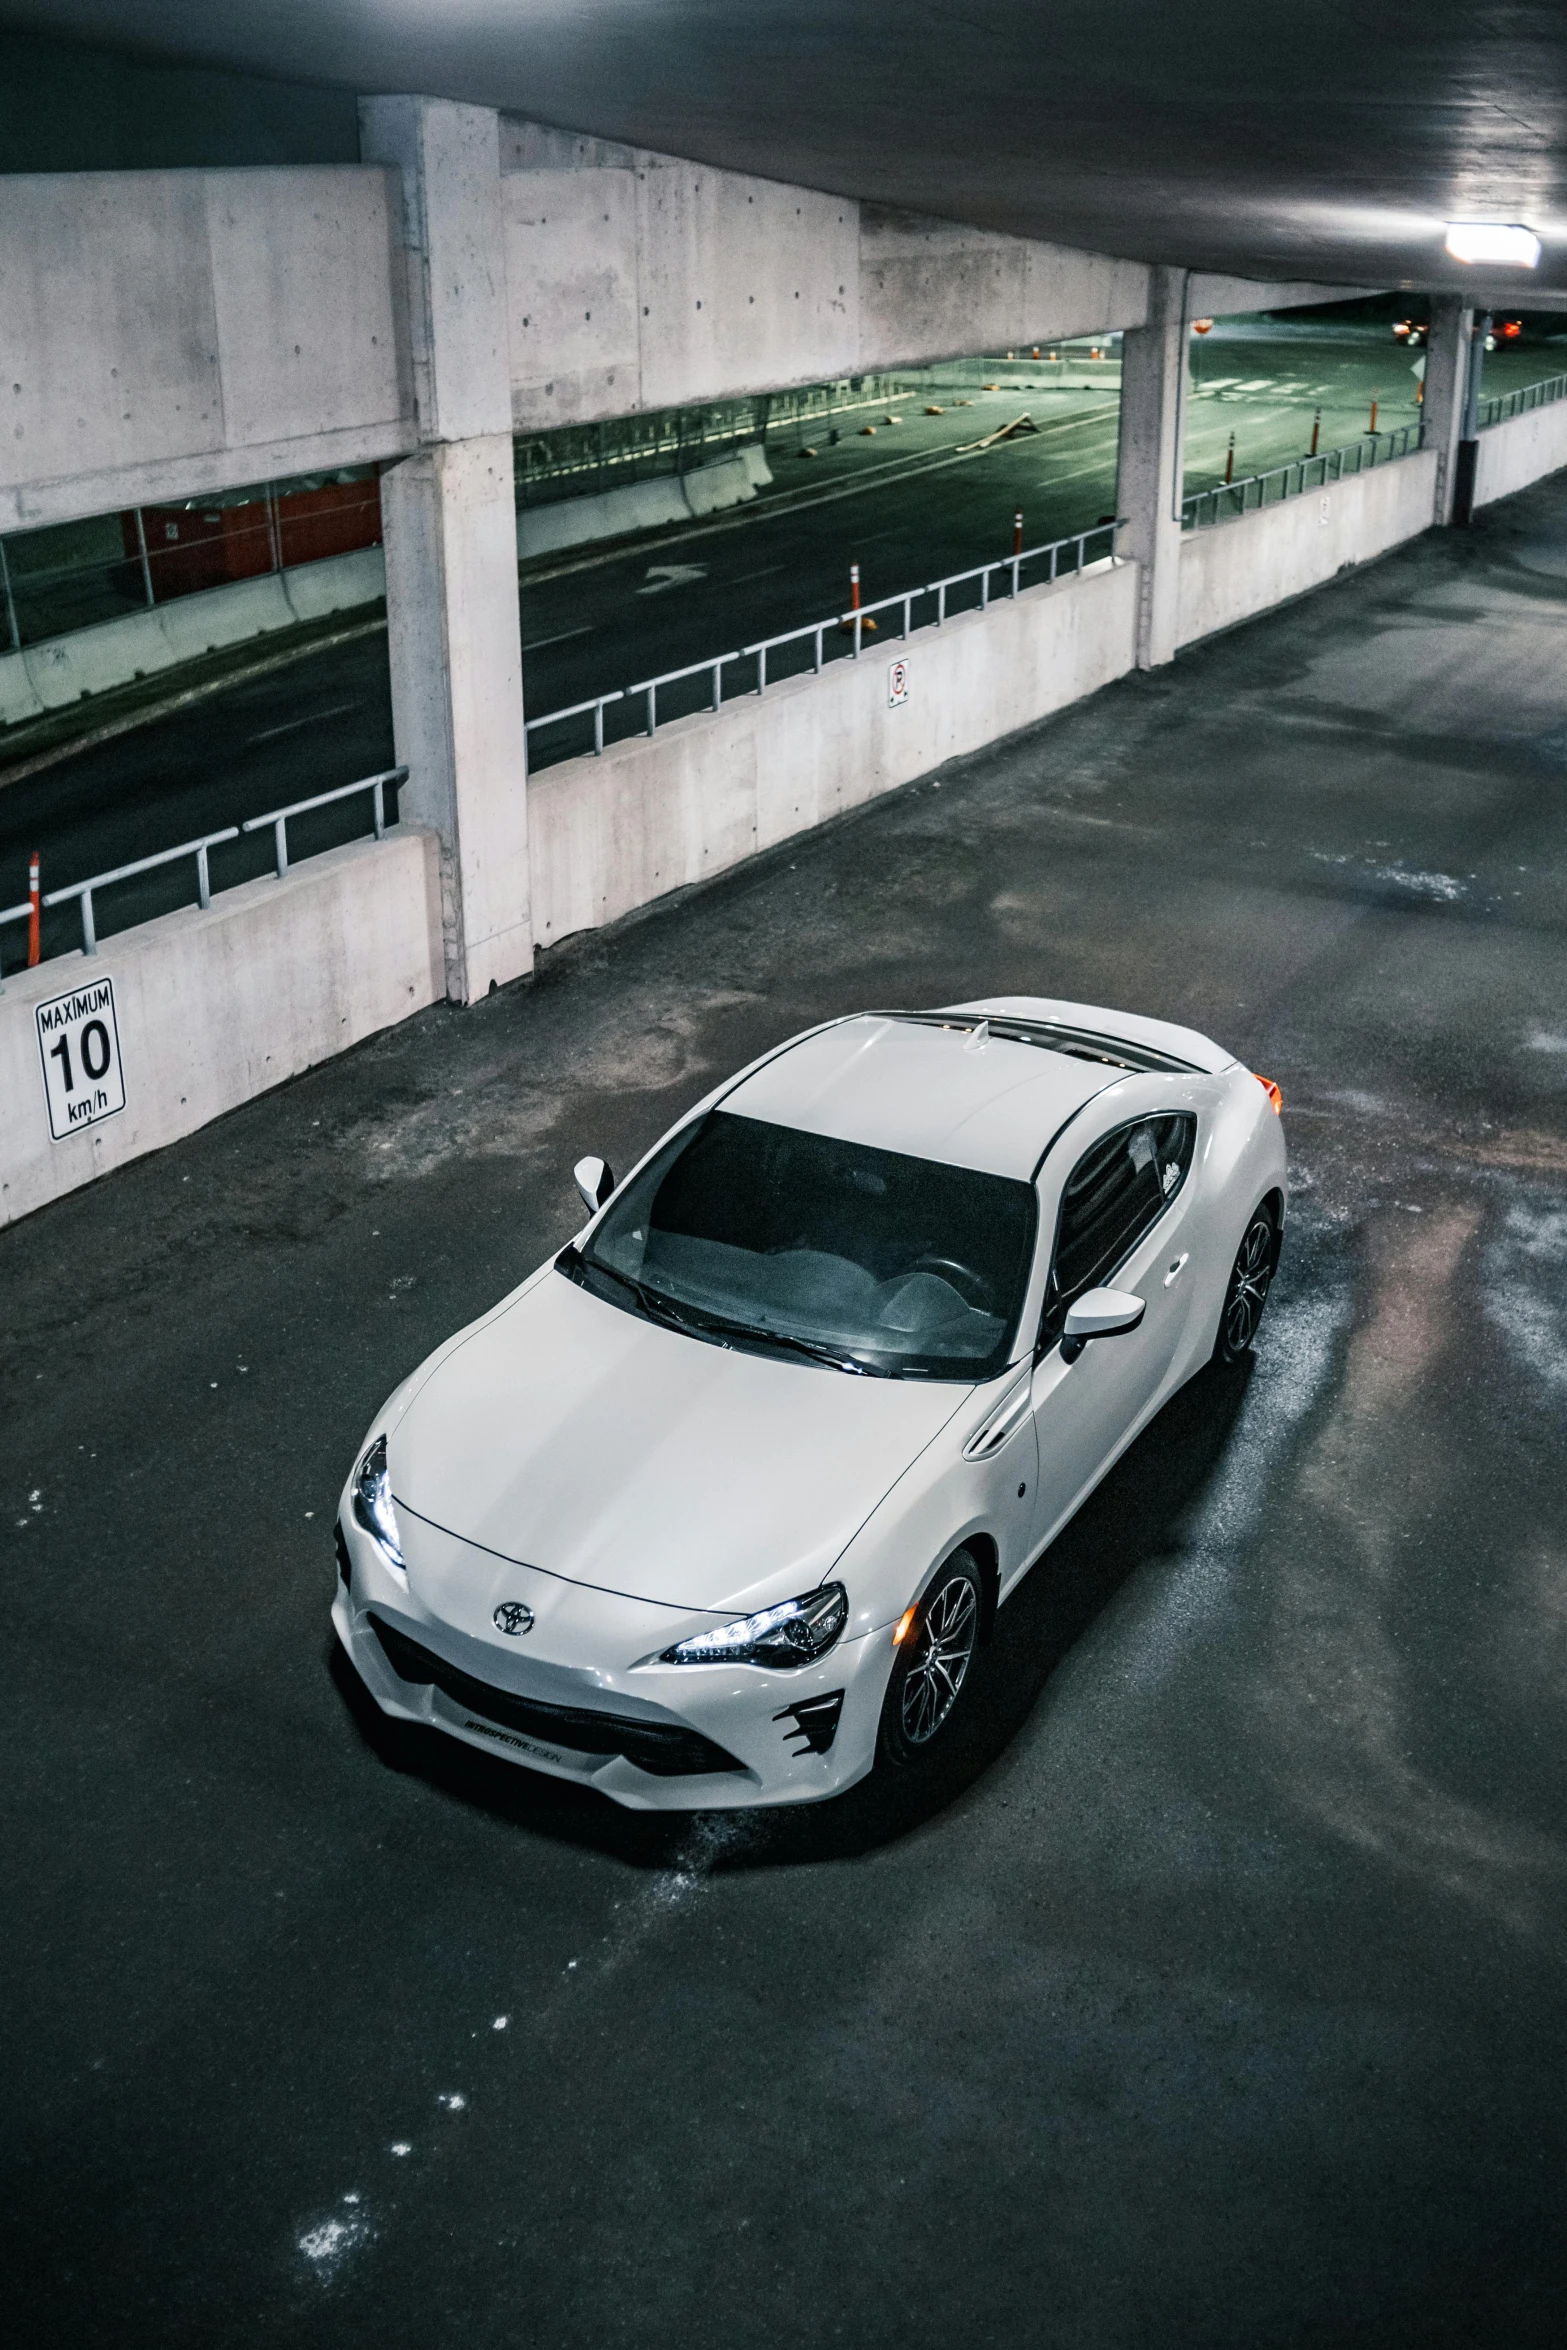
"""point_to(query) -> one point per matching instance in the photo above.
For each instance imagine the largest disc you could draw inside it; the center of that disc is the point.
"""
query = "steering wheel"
(970, 1286)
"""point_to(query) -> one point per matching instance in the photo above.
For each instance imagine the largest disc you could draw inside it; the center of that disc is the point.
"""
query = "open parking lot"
(1216, 1996)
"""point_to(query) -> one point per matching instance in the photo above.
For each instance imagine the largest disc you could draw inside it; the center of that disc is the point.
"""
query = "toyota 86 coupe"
(717, 1507)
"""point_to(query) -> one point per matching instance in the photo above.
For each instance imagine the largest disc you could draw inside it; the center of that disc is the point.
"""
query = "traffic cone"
(34, 902)
(867, 627)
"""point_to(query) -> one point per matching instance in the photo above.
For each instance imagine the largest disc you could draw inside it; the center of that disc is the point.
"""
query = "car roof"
(912, 1084)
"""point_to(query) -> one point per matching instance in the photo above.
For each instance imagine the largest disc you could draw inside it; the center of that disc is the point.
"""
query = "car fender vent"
(1002, 1423)
(815, 1722)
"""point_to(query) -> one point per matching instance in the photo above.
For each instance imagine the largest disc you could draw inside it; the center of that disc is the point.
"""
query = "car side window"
(1114, 1193)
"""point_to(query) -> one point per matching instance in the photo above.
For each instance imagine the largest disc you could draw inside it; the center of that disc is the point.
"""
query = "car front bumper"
(573, 1701)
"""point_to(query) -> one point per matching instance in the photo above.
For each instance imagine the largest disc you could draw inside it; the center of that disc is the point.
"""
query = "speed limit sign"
(79, 1041)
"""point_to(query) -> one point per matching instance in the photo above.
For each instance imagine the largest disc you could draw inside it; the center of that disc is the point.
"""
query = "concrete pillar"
(1468, 457)
(1447, 358)
(449, 523)
(1151, 461)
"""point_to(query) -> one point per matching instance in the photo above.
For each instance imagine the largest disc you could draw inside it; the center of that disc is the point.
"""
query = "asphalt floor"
(1213, 1993)
(905, 505)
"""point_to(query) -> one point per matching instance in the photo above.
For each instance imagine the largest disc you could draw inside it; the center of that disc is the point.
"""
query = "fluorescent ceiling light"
(1493, 240)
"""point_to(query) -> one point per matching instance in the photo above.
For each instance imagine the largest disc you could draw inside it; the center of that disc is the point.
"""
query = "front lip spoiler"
(665, 1750)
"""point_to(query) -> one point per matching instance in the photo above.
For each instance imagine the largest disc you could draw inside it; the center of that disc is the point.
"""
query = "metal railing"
(1229, 499)
(1519, 403)
(375, 785)
(849, 625)
(85, 891)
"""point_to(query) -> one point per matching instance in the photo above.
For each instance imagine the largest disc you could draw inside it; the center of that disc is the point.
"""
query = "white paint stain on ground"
(1526, 1288)
(327, 2242)
(1443, 889)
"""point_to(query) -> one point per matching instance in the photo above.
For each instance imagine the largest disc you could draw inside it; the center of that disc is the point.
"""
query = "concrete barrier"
(610, 834)
(63, 669)
(1235, 569)
(1522, 450)
(213, 1008)
(643, 505)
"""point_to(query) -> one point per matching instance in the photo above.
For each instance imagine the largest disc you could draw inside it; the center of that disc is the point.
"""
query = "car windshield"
(750, 1233)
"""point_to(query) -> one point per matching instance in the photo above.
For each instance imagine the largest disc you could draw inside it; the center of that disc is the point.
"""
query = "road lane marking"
(540, 642)
(766, 572)
(315, 718)
(670, 575)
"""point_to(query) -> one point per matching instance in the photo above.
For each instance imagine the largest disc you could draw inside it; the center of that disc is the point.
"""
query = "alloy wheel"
(944, 1648)
(1249, 1285)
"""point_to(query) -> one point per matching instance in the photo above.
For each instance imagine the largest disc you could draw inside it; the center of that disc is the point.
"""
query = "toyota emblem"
(512, 1618)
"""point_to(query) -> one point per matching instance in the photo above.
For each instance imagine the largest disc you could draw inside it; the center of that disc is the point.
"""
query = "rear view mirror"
(595, 1182)
(1098, 1313)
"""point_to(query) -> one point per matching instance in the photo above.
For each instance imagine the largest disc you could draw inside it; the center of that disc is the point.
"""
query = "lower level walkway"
(1224, 2003)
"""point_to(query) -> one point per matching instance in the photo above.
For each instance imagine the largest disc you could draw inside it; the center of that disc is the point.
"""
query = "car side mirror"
(595, 1182)
(1098, 1313)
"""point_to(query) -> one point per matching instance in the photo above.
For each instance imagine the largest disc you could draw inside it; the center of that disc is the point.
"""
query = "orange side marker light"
(1272, 1092)
(904, 1626)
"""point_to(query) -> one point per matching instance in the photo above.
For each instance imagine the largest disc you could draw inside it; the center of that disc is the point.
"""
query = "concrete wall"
(644, 505)
(636, 281)
(1522, 450)
(172, 332)
(215, 1007)
(1239, 568)
(653, 814)
(61, 669)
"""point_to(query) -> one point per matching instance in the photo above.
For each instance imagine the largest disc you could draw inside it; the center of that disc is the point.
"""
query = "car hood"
(571, 1436)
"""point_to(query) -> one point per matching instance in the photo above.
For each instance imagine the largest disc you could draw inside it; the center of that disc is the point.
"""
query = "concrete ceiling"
(1319, 139)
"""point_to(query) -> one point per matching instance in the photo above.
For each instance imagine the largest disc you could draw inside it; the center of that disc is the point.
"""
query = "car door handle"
(1176, 1269)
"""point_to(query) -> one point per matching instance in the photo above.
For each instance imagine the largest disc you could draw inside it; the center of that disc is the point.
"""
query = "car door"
(1123, 1208)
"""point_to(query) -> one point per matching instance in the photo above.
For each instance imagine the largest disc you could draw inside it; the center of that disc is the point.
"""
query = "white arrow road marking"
(670, 575)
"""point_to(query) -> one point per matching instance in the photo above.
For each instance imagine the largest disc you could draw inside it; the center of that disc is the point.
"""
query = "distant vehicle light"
(1401, 326)
(1202, 326)
(1512, 328)
(1275, 1098)
(1493, 240)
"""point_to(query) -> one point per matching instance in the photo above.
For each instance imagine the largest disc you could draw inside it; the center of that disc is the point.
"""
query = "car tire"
(1246, 1292)
(934, 1662)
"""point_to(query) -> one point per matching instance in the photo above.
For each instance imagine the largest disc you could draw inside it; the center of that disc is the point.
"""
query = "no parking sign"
(79, 1042)
(897, 685)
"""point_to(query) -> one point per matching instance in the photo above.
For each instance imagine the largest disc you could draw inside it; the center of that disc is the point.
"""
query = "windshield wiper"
(724, 1325)
(697, 1322)
(651, 1301)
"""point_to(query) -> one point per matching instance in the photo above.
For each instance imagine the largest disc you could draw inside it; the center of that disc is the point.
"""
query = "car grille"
(664, 1749)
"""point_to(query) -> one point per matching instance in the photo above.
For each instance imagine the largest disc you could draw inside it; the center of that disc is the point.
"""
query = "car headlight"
(796, 1632)
(373, 1500)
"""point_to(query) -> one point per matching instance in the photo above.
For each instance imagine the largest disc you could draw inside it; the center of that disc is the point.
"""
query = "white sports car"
(715, 1508)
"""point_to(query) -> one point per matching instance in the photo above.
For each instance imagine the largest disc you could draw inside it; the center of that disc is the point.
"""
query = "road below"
(902, 505)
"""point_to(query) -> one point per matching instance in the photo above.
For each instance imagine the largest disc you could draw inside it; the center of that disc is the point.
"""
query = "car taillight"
(1271, 1090)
